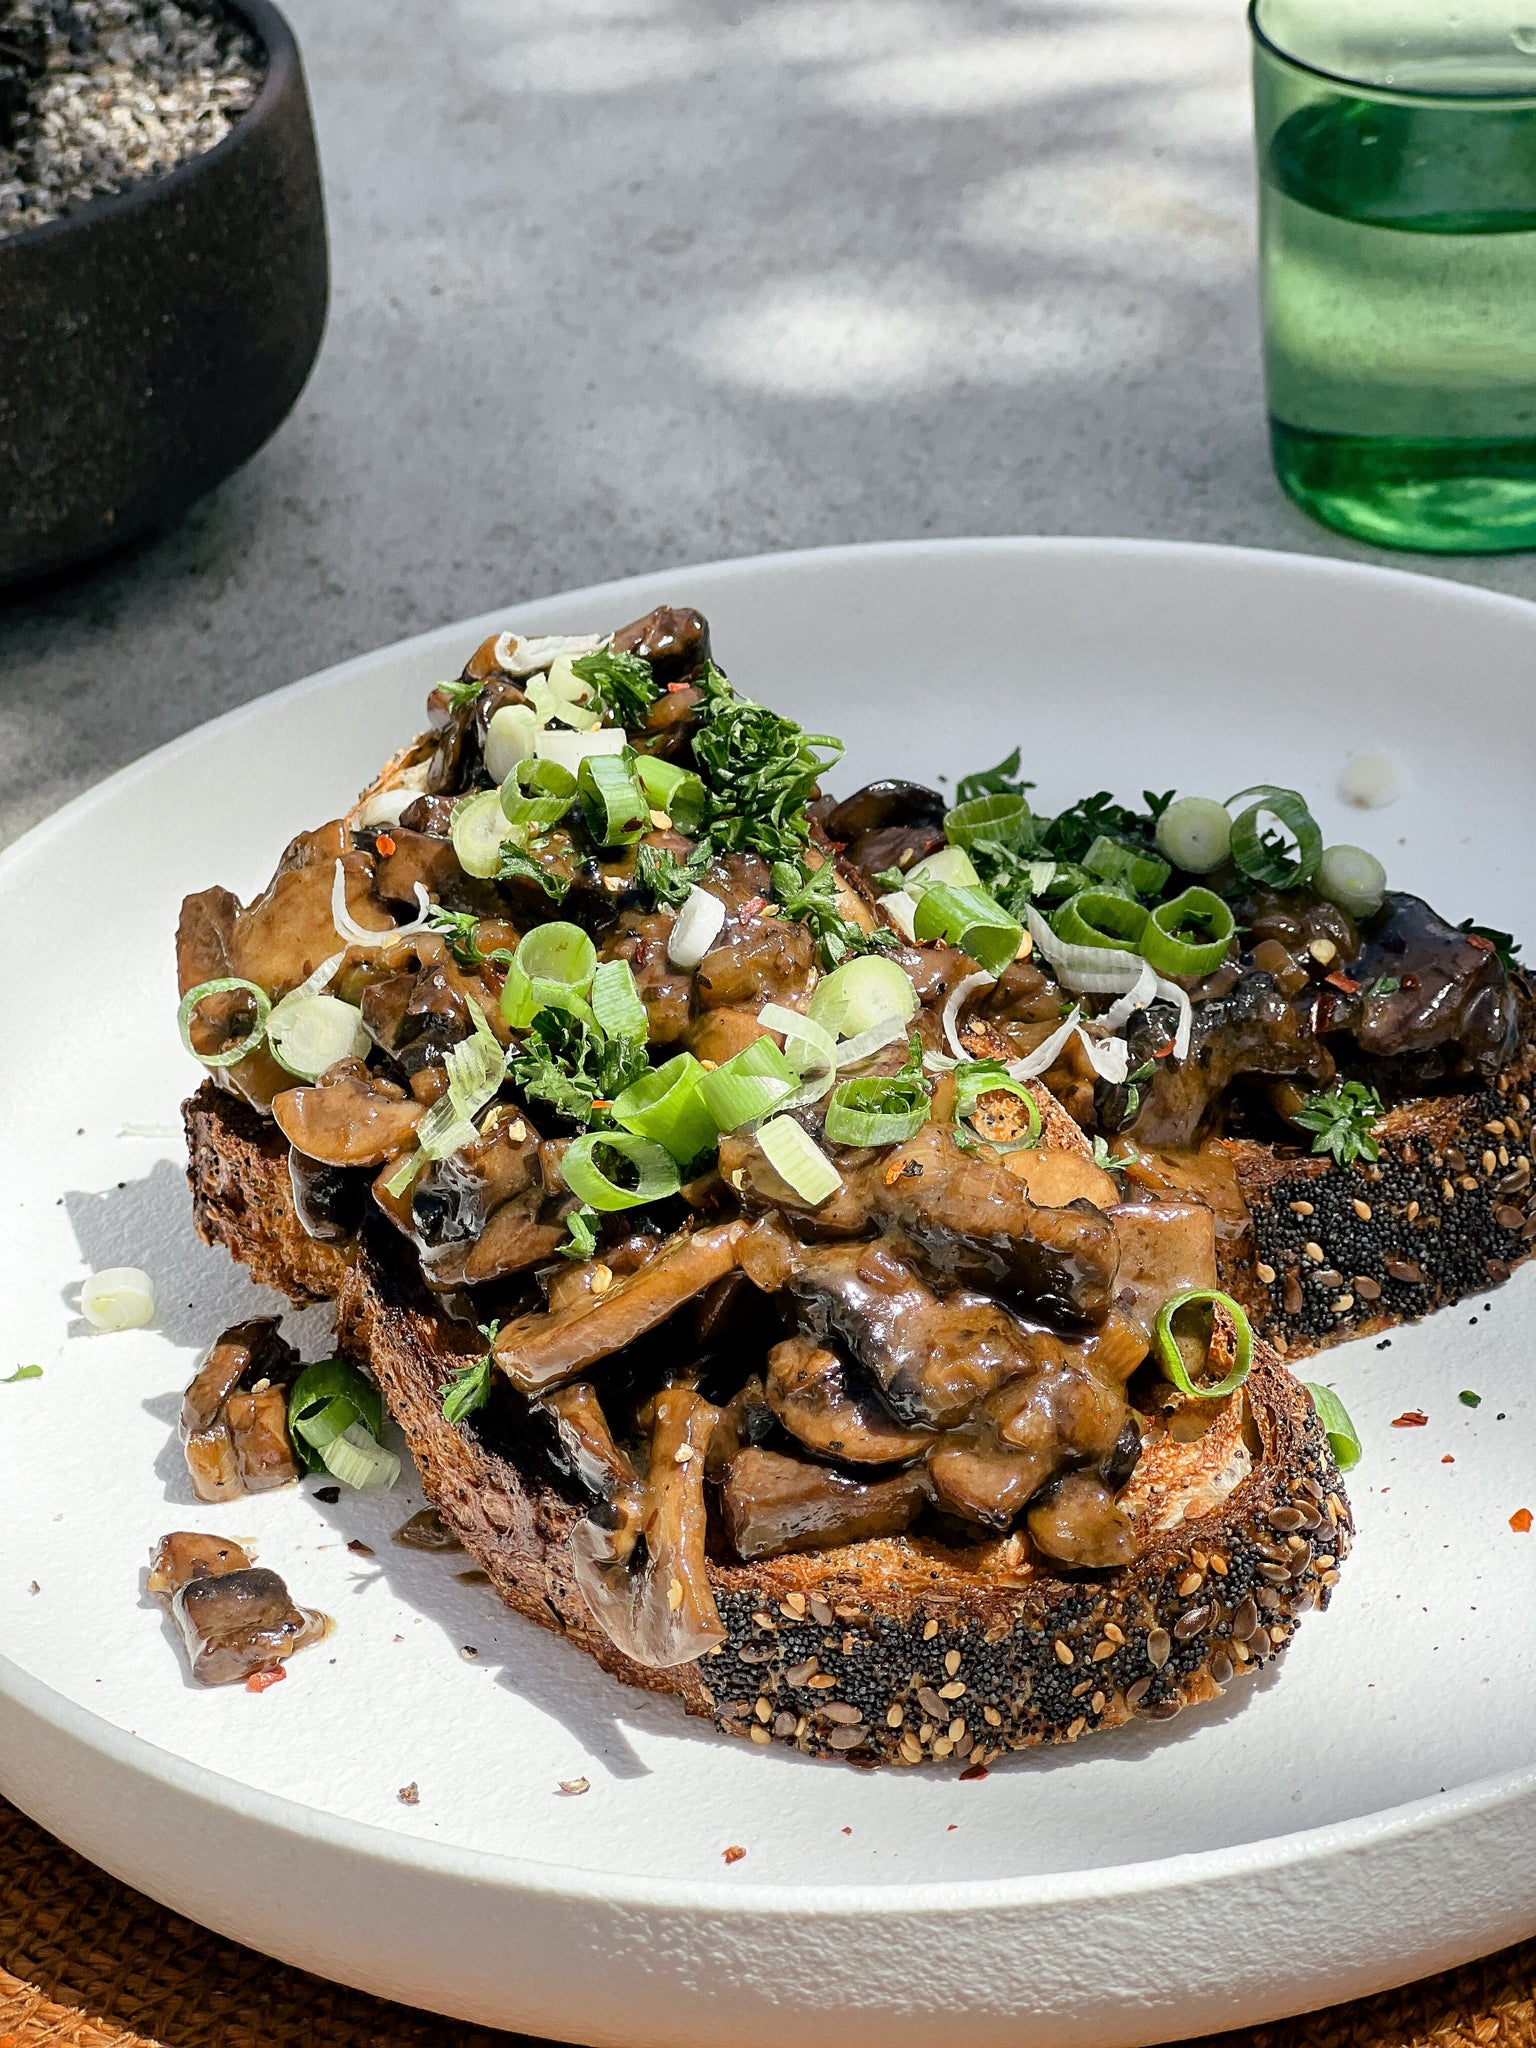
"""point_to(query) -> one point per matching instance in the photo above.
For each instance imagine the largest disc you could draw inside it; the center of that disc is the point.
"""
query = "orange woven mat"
(87, 1963)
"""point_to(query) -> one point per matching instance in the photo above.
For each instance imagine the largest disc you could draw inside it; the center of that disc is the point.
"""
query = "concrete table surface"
(627, 282)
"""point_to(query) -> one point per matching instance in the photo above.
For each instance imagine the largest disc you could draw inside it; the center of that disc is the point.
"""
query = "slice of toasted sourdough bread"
(898, 1650)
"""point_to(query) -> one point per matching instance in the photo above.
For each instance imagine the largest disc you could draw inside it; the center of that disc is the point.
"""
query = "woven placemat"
(85, 1962)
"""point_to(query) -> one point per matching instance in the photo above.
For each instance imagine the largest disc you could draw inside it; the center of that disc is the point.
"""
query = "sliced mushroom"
(809, 1389)
(328, 1200)
(1079, 1522)
(187, 1554)
(586, 1442)
(241, 1622)
(772, 1504)
(1165, 1247)
(641, 1567)
(674, 639)
(539, 1352)
(258, 1428)
(350, 1118)
(237, 1442)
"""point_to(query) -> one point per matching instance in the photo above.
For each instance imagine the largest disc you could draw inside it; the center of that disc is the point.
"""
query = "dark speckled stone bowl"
(151, 341)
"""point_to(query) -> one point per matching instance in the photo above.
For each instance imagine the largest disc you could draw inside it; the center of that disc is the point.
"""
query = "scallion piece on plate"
(749, 1085)
(1353, 879)
(552, 969)
(796, 1158)
(1113, 861)
(118, 1298)
(1007, 820)
(1262, 855)
(879, 1109)
(666, 1105)
(1343, 1437)
(586, 1164)
(1196, 834)
(475, 1067)
(862, 993)
(612, 801)
(676, 791)
(1168, 944)
(1102, 918)
(478, 830)
(360, 1461)
(1170, 1357)
(537, 794)
(951, 864)
(616, 1002)
(324, 1402)
(972, 920)
(570, 749)
(237, 1050)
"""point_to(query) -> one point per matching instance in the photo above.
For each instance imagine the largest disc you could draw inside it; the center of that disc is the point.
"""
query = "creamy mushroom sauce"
(958, 1336)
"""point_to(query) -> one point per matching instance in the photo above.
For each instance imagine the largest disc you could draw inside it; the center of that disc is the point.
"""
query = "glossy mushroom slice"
(187, 1554)
(351, 1117)
(233, 1617)
(815, 1396)
(639, 1561)
(771, 1504)
(539, 1352)
(234, 1415)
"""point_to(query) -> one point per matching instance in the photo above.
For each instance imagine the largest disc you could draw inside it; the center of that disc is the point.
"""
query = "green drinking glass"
(1397, 175)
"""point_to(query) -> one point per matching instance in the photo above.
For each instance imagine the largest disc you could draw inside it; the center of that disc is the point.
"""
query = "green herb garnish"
(565, 1062)
(462, 931)
(1070, 834)
(1503, 943)
(665, 879)
(1468, 1399)
(581, 1234)
(22, 1372)
(622, 684)
(1383, 985)
(518, 865)
(469, 1387)
(759, 771)
(809, 895)
(459, 693)
(1344, 1120)
(996, 781)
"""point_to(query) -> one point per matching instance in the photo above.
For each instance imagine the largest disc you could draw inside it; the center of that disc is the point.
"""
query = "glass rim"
(1407, 94)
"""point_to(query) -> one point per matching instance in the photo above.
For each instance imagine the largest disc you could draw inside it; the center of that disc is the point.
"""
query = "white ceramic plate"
(1359, 1819)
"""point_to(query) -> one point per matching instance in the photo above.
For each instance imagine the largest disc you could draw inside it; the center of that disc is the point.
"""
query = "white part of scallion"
(1195, 833)
(1370, 782)
(357, 1460)
(118, 1298)
(1352, 878)
(863, 992)
(570, 749)
(308, 1033)
(796, 1158)
(951, 864)
(509, 738)
(699, 924)
(901, 909)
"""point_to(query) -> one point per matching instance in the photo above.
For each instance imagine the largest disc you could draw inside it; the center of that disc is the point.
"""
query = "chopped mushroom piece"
(350, 1118)
(187, 1554)
(811, 1392)
(234, 1416)
(234, 1618)
(773, 1504)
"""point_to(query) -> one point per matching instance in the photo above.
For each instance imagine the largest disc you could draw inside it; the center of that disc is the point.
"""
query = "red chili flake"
(753, 907)
(385, 844)
(1411, 1418)
(976, 1771)
(1520, 1521)
(1164, 1054)
(1482, 946)
(1447, 1459)
(847, 1831)
(409, 1795)
(268, 1675)
(735, 1853)
(1342, 983)
(599, 1103)
(673, 688)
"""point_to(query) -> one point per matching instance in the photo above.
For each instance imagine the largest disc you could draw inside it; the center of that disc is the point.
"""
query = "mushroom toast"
(829, 1258)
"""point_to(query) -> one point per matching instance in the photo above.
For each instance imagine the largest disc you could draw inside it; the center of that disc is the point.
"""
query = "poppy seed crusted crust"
(901, 1650)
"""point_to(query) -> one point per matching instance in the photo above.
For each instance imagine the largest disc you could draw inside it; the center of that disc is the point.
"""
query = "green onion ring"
(656, 1174)
(748, 1085)
(616, 1002)
(990, 1077)
(242, 1046)
(1343, 1437)
(796, 1158)
(1100, 917)
(552, 969)
(324, 1401)
(666, 1105)
(358, 1460)
(537, 793)
(862, 993)
(1171, 1359)
(1165, 948)
(612, 801)
(1267, 864)
(1006, 819)
(879, 1109)
(973, 921)
(677, 791)
(1113, 861)
(478, 830)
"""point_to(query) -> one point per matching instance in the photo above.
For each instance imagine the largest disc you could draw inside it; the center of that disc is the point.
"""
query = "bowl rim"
(284, 69)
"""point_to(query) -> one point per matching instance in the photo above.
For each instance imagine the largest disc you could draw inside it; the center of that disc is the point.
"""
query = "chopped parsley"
(573, 1066)
(1468, 1399)
(1503, 943)
(1069, 835)
(996, 781)
(457, 694)
(518, 865)
(622, 684)
(581, 1234)
(462, 931)
(1383, 985)
(469, 1387)
(809, 895)
(664, 878)
(1344, 1120)
(758, 770)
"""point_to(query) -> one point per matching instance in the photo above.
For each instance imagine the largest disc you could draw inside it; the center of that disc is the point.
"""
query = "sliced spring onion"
(1171, 1358)
(1135, 998)
(1095, 972)
(347, 927)
(973, 921)
(808, 1045)
(616, 1002)
(901, 909)
(118, 1298)
(359, 1461)
(478, 831)
(677, 791)
(1353, 879)
(880, 1109)
(524, 656)
(1164, 940)
(666, 1105)
(1196, 834)
(699, 924)
(1113, 861)
(308, 1033)
(861, 993)
(655, 1170)
(225, 985)
(563, 694)
(975, 1078)
(325, 1400)
(570, 749)
(851, 1050)
(1047, 1051)
(510, 736)
(1262, 855)
(1110, 1058)
(950, 864)
(552, 969)
(475, 1068)
(1006, 819)
(795, 1157)
(537, 793)
(1343, 1437)
(612, 801)
(956, 1001)
(1100, 918)
(750, 1084)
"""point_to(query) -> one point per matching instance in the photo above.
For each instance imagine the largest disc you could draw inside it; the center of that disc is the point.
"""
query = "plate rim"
(719, 1895)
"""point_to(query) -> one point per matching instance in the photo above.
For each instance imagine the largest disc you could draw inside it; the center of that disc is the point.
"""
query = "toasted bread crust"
(895, 1651)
